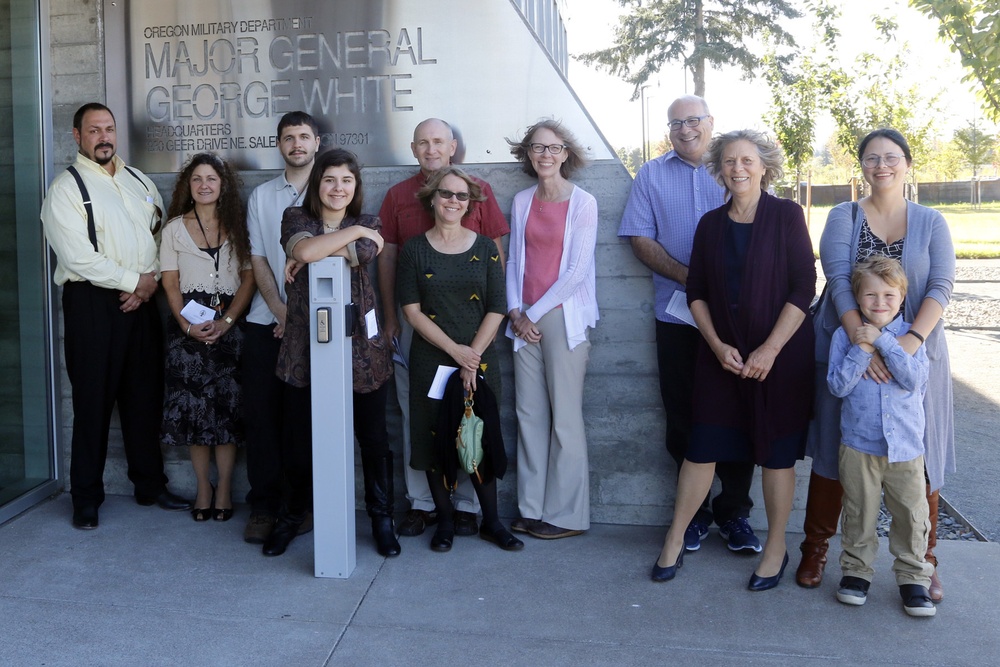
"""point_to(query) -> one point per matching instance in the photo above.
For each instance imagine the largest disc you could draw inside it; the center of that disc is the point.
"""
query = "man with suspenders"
(102, 220)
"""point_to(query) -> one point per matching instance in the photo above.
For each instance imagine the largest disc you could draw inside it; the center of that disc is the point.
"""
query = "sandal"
(221, 513)
(203, 513)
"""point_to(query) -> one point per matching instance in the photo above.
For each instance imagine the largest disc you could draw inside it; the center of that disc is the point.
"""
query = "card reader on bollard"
(331, 320)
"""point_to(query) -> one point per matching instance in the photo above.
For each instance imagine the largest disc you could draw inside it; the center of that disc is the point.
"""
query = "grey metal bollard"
(332, 418)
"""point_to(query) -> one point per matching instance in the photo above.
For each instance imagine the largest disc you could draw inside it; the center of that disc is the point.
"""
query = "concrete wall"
(632, 478)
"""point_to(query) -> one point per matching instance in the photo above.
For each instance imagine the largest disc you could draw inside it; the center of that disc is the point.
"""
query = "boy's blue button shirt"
(880, 419)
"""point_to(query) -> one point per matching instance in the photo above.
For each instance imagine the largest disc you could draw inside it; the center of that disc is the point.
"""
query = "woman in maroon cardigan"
(751, 279)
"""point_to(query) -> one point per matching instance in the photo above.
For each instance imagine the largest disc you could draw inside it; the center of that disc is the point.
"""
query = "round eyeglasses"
(889, 160)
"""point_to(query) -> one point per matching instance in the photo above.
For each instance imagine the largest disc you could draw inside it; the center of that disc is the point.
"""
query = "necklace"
(559, 198)
(745, 216)
(216, 301)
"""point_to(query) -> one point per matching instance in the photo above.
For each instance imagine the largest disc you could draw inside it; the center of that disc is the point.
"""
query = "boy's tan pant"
(864, 477)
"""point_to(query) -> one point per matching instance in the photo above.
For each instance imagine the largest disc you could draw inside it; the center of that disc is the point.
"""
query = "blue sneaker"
(695, 533)
(739, 536)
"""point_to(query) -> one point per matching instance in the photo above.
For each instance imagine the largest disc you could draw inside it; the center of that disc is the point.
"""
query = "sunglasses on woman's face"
(448, 194)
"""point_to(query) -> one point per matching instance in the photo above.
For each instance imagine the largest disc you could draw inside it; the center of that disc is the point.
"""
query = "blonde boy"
(882, 427)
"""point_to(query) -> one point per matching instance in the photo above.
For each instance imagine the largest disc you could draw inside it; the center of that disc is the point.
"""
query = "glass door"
(27, 462)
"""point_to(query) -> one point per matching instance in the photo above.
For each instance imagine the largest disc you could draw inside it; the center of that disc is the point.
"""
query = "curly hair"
(426, 193)
(228, 209)
(770, 155)
(521, 150)
(338, 157)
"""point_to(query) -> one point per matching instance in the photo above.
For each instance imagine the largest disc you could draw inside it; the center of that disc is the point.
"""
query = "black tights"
(487, 493)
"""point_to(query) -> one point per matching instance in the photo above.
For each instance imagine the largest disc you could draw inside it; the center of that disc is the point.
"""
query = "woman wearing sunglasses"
(552, 303)
(883, 223)
(450, 285)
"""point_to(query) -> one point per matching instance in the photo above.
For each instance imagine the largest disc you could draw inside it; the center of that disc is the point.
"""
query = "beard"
(102, 160)
(298, 160)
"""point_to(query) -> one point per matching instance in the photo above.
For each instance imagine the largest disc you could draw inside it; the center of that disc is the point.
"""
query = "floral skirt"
(202, 403)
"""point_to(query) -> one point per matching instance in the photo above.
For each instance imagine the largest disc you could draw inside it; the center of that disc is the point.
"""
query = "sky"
(590, 23)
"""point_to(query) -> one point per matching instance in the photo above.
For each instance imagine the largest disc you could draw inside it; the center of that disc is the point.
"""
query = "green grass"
(975, 232)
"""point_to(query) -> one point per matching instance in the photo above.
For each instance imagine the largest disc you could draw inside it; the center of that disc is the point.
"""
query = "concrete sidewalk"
(154, 588)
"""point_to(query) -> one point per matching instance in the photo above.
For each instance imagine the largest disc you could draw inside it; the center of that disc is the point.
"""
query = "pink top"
(543, 247)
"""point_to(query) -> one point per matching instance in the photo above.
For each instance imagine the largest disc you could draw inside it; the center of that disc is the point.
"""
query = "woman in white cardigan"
(551, 302)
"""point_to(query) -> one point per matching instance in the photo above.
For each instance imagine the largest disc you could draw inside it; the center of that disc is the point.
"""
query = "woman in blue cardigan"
(883, 223)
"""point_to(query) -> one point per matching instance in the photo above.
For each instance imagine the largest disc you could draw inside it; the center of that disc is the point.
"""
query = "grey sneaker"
(916, 600)
(258, 527)
(853, 591)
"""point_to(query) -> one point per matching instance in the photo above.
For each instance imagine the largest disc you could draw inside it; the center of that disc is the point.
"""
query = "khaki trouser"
(553, 476)
(864, 477)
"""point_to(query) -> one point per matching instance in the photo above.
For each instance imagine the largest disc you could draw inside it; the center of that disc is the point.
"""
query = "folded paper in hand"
(195, 313)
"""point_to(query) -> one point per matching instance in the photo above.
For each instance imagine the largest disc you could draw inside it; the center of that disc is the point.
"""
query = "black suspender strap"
(136, 177)
(159, 213)
(91, 228)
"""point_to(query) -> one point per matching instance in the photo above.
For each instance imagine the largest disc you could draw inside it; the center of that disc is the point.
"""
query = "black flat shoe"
(166, 500)
(758, 583)
(85, 518)
(442, 539)
(502, 538)
(284, 531)
(668, 573)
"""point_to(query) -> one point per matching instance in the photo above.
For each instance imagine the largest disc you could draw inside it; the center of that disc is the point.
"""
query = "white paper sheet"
(371, 323)
(678, 307)
(440, 380)
(195, 313)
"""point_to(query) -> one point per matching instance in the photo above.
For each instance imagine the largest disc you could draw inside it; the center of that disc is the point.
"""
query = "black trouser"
(263, 411)
(113, 357)
(676, 353)
(369, 428)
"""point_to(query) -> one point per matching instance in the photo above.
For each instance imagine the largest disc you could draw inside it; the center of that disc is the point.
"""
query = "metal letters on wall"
(196, 75)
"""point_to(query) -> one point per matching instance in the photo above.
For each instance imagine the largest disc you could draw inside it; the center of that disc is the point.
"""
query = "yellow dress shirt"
(125, 217)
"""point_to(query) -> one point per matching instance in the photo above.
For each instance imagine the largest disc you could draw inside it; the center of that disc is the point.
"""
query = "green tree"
(868, 95)
(694, 32)
(975, 147)
(972, 28)
(631, 158)
(794, 101)
(942, 162)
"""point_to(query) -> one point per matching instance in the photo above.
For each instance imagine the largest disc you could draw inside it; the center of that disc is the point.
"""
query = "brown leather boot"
(822, 514)
(935, 590)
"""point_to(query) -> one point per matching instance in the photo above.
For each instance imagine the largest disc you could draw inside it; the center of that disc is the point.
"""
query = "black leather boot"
(379, 501)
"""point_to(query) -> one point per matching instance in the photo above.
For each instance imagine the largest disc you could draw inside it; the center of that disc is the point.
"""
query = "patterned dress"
(201, 404)
(371, 359)
(455, 292)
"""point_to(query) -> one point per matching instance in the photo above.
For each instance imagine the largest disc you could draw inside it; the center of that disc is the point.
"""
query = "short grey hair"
(770, 154)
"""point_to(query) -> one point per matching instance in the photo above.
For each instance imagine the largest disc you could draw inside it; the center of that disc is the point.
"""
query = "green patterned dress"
(455, 292)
